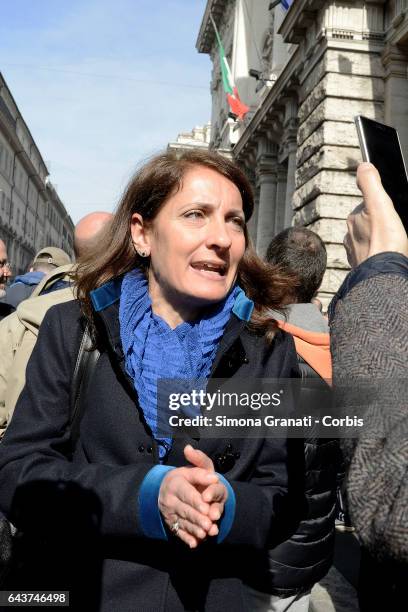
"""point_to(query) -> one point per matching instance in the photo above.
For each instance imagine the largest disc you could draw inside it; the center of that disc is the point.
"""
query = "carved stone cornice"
(303, 13)
(266, 148)
(298, 19)
(395, 61)
(266, 171)
(271, 128)
(206, 35)
(266, 161)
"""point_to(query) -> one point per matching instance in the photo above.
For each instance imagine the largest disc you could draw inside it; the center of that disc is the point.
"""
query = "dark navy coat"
(79, 508)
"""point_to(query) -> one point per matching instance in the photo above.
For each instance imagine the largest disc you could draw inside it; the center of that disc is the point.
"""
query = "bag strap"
(84, 367)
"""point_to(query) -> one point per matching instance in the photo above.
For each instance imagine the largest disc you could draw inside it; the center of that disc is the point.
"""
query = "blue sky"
(103, 84)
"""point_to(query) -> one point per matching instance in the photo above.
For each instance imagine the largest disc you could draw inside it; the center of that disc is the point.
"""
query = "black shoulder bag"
(84, 368)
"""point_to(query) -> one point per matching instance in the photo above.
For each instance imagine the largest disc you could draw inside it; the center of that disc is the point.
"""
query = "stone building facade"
(31, 213)
(318, 65)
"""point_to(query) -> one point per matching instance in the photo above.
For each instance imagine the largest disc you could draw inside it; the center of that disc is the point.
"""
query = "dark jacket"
(83, 517)
(5, 310)
(22, 287)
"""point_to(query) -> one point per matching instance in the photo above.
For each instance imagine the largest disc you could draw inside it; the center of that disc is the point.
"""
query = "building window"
(18, 216)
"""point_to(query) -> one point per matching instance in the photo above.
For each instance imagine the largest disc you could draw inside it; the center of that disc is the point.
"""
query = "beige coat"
(18, 335)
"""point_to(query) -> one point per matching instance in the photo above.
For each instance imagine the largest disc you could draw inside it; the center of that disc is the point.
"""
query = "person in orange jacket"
(303, 253)
(303, 559)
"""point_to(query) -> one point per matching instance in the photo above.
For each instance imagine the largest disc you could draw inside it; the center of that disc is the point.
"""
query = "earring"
(140, 253)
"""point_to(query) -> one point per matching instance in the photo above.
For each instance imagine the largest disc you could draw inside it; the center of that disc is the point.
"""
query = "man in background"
(305, 558)
(302, 252)
(46, 261)
(5, 273)
(87, 229)
(19, 331)
(5, 270)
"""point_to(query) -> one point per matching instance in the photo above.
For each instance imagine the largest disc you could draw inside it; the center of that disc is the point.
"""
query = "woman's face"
(195, 242)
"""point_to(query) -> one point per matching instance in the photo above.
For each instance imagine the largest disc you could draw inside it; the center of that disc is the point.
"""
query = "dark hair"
(148, 190)
(303, 253)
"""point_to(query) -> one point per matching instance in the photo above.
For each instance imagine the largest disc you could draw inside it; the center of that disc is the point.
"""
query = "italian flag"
(238, 108)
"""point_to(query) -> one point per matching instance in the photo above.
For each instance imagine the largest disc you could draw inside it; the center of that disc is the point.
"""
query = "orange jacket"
(313, 347)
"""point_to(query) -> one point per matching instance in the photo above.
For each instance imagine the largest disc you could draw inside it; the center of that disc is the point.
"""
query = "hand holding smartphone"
(380, 146)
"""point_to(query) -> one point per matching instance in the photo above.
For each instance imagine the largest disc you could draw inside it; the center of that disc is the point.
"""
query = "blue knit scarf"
(153, 350)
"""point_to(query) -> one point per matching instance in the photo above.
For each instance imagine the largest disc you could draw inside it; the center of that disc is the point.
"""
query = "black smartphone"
(380, 145)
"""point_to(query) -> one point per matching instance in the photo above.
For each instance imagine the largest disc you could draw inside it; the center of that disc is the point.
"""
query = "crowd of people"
(99, 501)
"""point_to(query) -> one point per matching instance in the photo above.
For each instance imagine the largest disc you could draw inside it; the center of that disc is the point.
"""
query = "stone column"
(396, 92)
(266, 171)
(281, 198)
(249, 169)
(290, 128)
(290, 186)
(253, 222)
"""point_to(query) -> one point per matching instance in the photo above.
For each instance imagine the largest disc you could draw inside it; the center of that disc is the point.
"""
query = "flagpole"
(215, 30)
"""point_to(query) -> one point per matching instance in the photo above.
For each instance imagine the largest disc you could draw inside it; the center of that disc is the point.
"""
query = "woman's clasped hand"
(192, 499)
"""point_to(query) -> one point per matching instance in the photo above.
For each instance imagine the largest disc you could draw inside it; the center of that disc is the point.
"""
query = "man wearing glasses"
(5, 270)
(5, 273)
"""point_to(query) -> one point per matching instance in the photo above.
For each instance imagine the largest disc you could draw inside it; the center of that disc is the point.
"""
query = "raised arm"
(369, 325)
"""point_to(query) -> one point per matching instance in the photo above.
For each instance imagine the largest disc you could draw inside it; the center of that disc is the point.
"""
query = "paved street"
(337, 591)
(334, 594)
